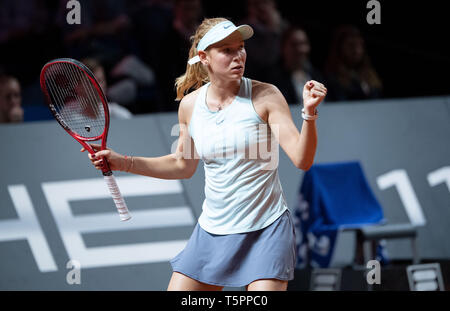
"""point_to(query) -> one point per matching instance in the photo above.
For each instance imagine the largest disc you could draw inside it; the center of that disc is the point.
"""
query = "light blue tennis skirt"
(236, 260)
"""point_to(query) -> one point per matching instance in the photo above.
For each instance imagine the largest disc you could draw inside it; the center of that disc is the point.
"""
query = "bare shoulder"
(266, 93)
(265, 98)
(263, 90)
(187, 106)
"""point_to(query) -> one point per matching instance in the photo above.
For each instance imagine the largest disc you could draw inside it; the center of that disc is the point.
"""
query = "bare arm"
(179, 165)
(165, 167)
(299, 146)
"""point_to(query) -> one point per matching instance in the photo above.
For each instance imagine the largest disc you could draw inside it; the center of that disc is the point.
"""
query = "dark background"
(409, 49)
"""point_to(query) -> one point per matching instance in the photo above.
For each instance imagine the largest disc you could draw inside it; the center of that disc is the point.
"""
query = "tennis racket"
(79, 105)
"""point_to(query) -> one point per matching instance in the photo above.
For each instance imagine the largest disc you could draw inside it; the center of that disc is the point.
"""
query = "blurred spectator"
(133, 85)
(263, 49)
(152, 19)
(10, 100)
(176, 45)
(25, 26)
(349, 71)
(104, 31)
(115, 110)
(295, 68)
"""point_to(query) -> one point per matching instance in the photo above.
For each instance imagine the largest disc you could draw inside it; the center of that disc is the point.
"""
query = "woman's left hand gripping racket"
(79, 105)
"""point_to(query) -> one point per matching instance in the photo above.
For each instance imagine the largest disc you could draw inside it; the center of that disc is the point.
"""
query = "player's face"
(227, 57)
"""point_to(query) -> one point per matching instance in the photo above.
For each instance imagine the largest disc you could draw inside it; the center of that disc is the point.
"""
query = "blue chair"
(334, 197)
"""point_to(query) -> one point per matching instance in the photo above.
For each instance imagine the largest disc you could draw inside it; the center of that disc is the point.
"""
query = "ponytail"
(195, 75)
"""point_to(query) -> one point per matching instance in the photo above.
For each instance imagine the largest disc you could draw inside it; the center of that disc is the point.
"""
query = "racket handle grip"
(117, 197)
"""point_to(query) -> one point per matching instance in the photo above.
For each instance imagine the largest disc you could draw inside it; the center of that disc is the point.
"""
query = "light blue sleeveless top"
(240, 154)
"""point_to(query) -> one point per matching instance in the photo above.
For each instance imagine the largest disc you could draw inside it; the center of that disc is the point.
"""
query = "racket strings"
(72, 107)
(75, 100)
(89, 103)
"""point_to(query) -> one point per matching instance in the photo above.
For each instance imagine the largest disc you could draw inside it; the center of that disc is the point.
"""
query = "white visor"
(218, 33)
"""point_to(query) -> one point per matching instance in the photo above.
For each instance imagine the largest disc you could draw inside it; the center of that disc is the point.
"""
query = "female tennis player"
(245, 234)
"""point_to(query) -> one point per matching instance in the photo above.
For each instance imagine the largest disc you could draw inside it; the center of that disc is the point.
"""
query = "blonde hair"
(195, 75)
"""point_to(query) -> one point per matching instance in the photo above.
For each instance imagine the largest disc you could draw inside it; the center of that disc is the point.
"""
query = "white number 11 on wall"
(399, 178)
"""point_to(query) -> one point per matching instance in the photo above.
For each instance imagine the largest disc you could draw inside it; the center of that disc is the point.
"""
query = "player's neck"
(222, 90)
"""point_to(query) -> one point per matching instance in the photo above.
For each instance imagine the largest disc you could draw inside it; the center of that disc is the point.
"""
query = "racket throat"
(106, 169)
(107, 173)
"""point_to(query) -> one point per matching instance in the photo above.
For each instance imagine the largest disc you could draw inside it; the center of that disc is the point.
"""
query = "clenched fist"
(313, 93)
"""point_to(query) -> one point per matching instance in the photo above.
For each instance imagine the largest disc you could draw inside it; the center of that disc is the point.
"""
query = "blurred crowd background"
(136, 49)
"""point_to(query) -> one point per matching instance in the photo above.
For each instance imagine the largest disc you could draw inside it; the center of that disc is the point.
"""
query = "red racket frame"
(82, 140)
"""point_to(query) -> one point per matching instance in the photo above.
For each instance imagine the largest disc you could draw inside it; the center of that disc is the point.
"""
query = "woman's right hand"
(116, 161)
